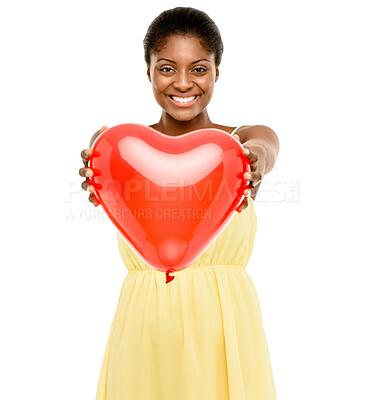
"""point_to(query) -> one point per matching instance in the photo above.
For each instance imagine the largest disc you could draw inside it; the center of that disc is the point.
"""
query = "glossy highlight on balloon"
(168, 196)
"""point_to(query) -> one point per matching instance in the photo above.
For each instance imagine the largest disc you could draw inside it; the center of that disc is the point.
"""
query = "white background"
(67, 68)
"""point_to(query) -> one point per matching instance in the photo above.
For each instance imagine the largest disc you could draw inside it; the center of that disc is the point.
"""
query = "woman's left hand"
(257, 167)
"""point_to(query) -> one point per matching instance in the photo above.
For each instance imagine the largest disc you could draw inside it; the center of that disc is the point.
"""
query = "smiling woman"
(201, 336)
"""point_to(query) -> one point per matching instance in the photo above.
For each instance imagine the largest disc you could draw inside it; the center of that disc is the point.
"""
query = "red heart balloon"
(168, 196)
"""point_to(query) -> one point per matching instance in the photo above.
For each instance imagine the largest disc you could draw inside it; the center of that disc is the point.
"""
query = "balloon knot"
(169, 278)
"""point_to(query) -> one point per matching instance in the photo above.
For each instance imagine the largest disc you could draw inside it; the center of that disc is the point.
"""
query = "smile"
(183, 101)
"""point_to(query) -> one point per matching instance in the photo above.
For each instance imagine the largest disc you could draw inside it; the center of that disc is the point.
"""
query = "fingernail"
(246, 151)
(90, 188)
(248, 175)
(249, 193)
(89, 173)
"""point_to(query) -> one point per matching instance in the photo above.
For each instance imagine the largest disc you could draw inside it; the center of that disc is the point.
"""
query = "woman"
(203, 337)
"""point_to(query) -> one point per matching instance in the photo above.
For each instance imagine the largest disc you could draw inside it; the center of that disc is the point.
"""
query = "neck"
(172, 127)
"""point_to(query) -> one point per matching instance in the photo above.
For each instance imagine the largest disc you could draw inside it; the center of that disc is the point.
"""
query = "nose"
(182, 81)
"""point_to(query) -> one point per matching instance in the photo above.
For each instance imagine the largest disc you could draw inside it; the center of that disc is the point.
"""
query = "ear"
(148, 74)
(217, 74)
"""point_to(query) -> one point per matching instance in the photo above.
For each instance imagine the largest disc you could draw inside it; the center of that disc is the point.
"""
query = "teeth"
(183, 99)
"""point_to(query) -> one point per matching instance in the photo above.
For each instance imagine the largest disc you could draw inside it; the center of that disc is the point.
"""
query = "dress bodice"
(233, 246)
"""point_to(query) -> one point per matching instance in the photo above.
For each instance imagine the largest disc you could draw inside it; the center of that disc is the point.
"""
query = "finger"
(248, 192)
(253, 166)
(242, 206)
(253, 177)
(86, 172)
(86, 153)
(85, 156)
(86, 185)
(249, 155)
(253, 191)
(93, 200)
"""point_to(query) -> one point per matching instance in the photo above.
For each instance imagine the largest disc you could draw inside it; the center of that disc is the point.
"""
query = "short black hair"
(185, 21)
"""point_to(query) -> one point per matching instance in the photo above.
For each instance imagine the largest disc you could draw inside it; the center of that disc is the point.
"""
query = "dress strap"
(234, 131)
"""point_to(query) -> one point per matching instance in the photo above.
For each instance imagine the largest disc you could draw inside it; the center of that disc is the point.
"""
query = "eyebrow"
(194, 62)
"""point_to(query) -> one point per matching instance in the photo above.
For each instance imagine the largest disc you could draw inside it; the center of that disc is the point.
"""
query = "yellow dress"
(199, 337)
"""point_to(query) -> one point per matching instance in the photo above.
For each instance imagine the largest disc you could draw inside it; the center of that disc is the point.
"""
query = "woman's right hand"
(87, 172)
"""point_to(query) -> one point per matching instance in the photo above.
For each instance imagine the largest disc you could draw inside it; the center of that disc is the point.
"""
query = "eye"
(165, 68)
(200, 68)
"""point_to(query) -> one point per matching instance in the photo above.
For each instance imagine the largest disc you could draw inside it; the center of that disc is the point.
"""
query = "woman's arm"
(263, 145)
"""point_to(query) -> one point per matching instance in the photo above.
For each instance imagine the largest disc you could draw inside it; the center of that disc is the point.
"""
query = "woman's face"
(183, 75)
